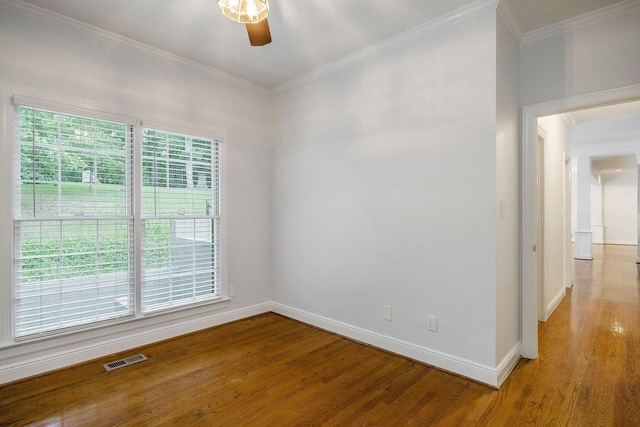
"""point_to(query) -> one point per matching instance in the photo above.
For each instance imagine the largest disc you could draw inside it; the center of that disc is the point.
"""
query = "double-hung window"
(111, 221)
(180, 212)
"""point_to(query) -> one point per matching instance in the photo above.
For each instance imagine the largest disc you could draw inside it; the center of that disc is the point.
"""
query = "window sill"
(187, 314)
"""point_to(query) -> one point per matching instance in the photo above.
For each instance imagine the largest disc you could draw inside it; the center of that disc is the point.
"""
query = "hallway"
(588, 370)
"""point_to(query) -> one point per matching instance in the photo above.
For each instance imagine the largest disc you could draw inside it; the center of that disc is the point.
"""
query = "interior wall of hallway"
(619, 207)
(610, 144)
(556, 218)
(614, 199)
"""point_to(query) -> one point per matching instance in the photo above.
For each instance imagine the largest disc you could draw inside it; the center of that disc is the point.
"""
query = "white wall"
(508, 186)
(590, 59)
(620, 206)
(613, 197)
(596, 214)
(385, 194)
(555, 242)
(39, 56)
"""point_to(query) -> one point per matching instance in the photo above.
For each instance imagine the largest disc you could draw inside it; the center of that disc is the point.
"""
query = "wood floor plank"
(272, 371)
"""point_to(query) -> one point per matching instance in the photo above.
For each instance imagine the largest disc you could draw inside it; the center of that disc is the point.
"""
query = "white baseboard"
(551, 307)
(508, 363)
(467, 368)
(621, 242)
(29, 359)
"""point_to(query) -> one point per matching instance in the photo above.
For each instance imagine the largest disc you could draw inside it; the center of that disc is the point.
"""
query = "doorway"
(553, 217)
(530, 206)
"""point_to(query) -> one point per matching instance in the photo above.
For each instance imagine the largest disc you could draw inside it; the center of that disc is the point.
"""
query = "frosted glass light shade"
(245, 11)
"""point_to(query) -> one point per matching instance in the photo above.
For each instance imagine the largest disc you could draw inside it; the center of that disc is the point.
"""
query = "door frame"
(529, 201)
(540, 199)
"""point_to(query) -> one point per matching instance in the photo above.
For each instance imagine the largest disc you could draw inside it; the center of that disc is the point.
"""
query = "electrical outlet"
(433, 323)
(386, 312)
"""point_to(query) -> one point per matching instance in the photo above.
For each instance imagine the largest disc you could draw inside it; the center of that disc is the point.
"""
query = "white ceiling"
(597, 118)
(606, 112)
(307, 34)
(627, 164)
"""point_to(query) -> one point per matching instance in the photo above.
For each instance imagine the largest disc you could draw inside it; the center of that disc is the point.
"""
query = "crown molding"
(84, 29)
(477, 8)
(568, 120)
(584, 20)
(507, 16)
(445, 21)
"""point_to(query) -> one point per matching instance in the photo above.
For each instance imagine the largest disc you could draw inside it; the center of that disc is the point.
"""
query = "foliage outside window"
(181, 219)
(75, 213)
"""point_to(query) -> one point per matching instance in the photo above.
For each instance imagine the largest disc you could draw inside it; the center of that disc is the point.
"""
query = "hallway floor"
(588, 369)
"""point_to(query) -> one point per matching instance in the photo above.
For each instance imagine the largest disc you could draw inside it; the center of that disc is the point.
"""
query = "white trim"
(584, 20)
(184, 128)
(555, 302)
(477, 8)
(467, 368)
(542, 132)
(438, 24)
(510, 21)
(570, 124)
(6, 214)
(529, 238)
(508, 363)
(619, 242)
(19, 362)
(223, 168)
(65, 22)
(48, 100)
(529, 230)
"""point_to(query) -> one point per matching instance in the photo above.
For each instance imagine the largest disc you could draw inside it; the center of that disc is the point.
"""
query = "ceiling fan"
(252, 13)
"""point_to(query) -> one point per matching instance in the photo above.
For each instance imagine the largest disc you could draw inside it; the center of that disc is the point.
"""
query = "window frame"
(141, 218)
(99, 308)
(73, 106)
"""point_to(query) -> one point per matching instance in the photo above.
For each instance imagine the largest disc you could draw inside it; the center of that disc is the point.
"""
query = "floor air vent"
(124, 362)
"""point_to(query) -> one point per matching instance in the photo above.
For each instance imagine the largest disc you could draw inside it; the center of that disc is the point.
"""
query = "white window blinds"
(181, 217)
(73, 221)
(93, 213)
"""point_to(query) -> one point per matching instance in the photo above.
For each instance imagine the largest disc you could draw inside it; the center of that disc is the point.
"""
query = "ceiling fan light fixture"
(245, 11)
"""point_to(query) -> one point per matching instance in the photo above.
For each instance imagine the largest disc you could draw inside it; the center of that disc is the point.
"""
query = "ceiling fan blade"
(259, 33)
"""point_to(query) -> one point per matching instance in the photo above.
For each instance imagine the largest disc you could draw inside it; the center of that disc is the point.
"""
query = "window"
(181, 219)
(77, 203)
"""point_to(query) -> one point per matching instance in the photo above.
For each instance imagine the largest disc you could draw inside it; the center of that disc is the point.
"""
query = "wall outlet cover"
(433, 323)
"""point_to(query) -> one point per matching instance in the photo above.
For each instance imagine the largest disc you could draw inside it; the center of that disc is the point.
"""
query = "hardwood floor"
(273, 371)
